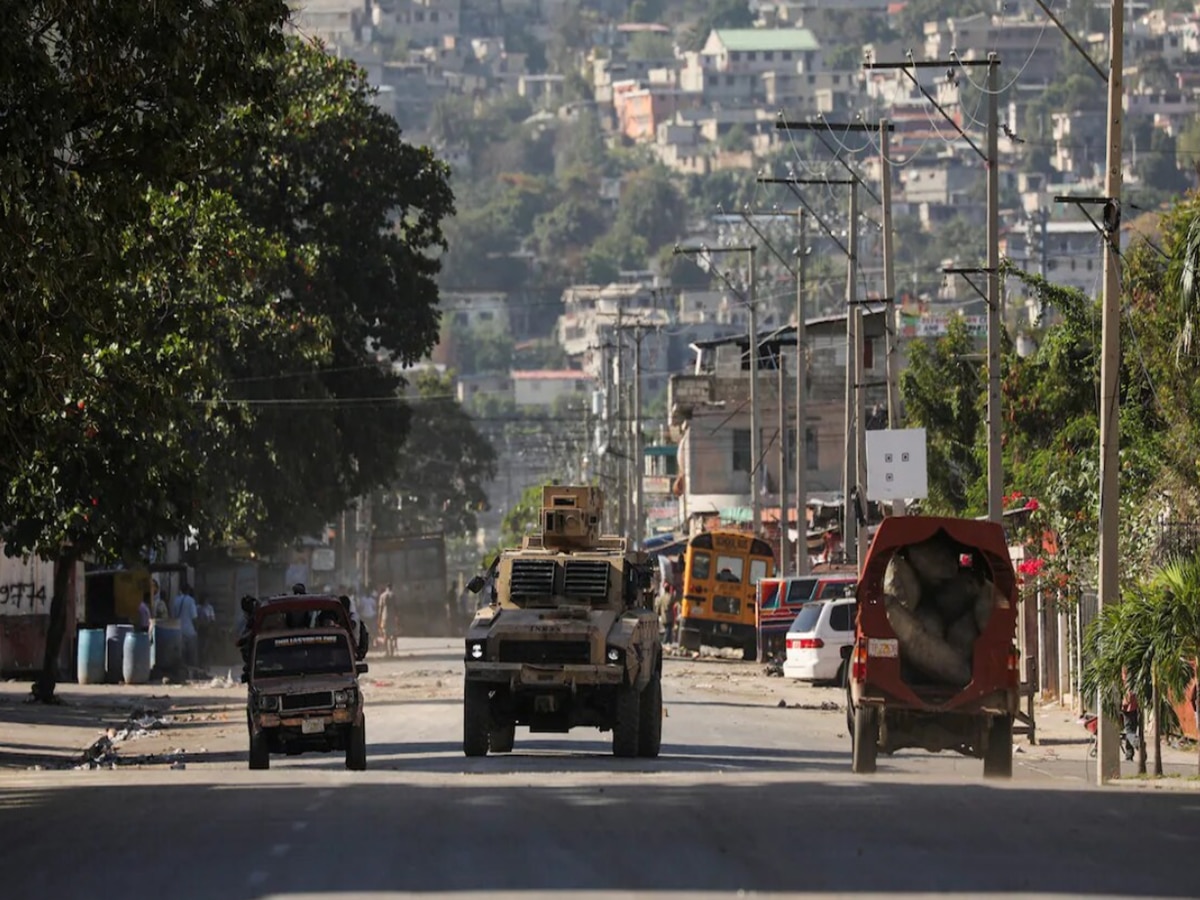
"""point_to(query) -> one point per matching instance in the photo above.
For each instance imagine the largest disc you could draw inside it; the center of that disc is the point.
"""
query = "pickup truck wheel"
(501, 740)
(650, 714)
(356, 747)
(866, 740)
(260, 751)
(476, 719)
(627, 726)
(997, 759)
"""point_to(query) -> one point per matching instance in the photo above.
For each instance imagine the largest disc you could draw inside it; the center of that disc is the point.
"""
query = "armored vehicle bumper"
(518, 676)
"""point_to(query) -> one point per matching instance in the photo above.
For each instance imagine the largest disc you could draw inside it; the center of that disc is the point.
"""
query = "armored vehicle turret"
(569, 638)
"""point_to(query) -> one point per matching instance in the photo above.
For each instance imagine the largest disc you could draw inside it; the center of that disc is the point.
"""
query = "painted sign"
(26, 586)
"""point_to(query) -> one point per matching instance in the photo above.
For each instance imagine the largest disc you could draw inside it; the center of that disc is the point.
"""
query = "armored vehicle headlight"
(268, 702)
(614, 654)
(474, 649)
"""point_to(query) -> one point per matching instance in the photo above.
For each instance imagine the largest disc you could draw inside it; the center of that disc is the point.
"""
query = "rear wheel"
(866, 740)
(750, 650)
(476, 716)
(650, 715)
(260, 751)
(997, 758)
(627, 726)
(500, 740)
(356, 747)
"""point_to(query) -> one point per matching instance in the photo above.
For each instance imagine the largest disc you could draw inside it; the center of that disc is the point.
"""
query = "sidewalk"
(118, 724)
(1061, 736)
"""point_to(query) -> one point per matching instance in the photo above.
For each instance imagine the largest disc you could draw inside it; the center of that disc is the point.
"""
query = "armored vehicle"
(569, 638)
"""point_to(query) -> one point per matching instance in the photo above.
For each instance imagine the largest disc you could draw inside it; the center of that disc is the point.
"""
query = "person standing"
(158, 603)
(206, 629)
(368, 611)
(143, 613)
(183, 608)
(389, 619)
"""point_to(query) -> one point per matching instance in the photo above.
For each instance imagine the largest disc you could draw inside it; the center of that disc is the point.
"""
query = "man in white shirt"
(183, 608)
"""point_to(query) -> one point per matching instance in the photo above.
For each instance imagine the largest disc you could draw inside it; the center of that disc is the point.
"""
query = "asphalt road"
(748, 798)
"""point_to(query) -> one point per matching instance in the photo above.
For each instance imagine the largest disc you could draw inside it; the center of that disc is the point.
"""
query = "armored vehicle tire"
(866, 740)
(650, 713)
(356, 747)
(628, 723)
(750, 650)
(260, 751)
(500, 740)
(476, 719)
(997, 759)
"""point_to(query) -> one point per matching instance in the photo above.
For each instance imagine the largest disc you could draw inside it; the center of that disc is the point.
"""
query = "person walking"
(183, 608)
(368, 611)
(389, 619)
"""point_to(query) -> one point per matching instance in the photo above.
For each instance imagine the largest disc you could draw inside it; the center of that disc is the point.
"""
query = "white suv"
(819, 640)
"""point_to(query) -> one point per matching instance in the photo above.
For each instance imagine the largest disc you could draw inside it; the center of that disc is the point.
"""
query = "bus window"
(729, 568)
(770, 594)
(758, 570)
(701, 566)
(800, 590)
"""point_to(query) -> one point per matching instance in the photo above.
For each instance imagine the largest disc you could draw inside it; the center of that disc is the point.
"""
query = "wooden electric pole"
(891, 335)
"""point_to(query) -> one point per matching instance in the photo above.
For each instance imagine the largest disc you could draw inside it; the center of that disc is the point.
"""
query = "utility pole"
(749, 299)
(891, 337)
(853, 374)
(755, 412)
(639, 519)
(1109, 766)
(781, 390)
(801, 448)
(995, 321)
(990, 158)
(619, 431)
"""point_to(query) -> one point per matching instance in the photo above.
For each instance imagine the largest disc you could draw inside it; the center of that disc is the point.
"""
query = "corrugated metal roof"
(741, 40)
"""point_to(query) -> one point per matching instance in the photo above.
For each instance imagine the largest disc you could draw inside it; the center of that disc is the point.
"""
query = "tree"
(942, 389)
(116, 278)
(436, 490)
(647, 45)
(523, 518)
(1148, 643)
(358, 212)
(719, 14)
(651, 208)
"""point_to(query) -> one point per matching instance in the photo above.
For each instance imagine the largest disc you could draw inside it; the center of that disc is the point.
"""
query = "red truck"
(934, 664)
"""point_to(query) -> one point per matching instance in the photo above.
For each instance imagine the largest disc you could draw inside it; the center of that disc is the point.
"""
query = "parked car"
(820, 640)
(780, 599)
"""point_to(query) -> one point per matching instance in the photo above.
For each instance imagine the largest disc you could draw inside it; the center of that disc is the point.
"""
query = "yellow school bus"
(720, 571)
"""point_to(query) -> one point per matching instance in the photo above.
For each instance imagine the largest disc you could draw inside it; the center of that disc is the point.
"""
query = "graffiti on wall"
(26, 586)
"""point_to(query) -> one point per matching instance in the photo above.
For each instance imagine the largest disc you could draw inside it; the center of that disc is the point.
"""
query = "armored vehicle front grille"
(313, 700)
(546, 652)
(586, 578)
(532, 578)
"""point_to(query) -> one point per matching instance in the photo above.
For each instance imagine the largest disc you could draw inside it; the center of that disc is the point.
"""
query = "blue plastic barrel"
(135, 657)
(166, 645)
(114, 648)
(90, 661)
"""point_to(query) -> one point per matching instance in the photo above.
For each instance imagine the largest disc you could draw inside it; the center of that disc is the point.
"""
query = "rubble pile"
(937, 608)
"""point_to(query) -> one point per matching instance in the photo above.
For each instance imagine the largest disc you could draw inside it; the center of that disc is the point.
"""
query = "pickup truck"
(934, 663)
(303, 696)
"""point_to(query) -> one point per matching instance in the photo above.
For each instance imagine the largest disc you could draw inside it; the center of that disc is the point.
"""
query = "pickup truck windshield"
(307, 654)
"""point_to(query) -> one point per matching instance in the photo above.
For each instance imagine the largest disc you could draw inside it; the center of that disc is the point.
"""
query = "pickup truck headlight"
(475, 650)
(267, 702)
(343, 698)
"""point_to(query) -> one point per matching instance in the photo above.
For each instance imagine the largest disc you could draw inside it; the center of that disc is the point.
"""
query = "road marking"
(258, 876)
(299, 826)
(280, 849)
